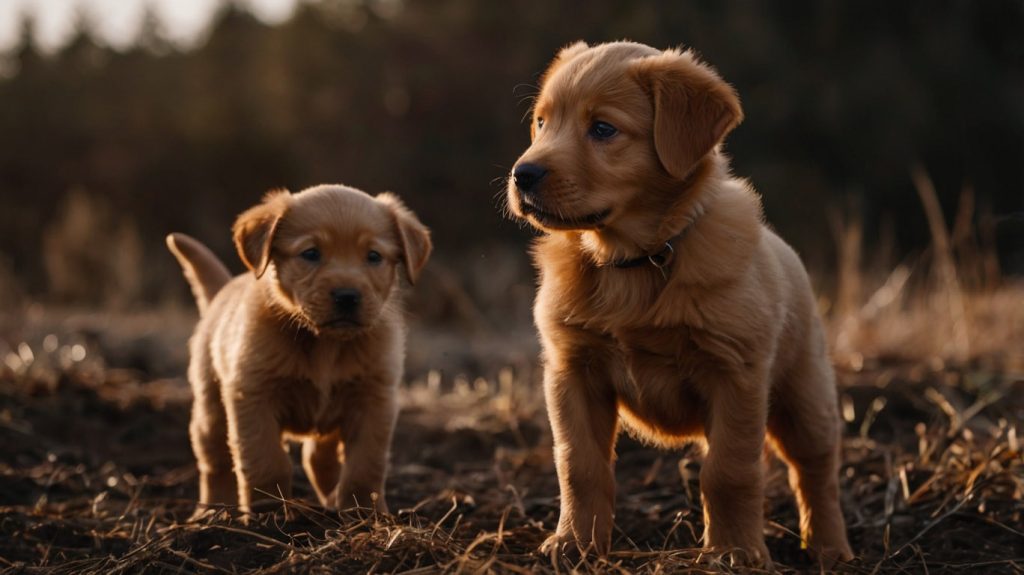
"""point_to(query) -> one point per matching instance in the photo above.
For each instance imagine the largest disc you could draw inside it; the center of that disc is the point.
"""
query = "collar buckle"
(663, 259)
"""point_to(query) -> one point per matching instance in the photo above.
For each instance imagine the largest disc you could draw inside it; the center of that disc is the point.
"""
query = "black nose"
(346, 300)
(528, 177)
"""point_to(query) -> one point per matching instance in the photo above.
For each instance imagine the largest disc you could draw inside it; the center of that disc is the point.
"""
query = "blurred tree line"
(103, 152)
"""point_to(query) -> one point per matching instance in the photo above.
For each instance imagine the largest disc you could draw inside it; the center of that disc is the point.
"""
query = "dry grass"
(97, 477)
(949, 304)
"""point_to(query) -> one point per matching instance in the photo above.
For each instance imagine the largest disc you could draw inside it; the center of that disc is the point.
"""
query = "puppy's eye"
(311, 255)
(374, 257)
(540, 123)
(602, 130)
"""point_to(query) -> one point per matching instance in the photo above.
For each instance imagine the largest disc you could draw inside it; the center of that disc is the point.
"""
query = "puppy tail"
(204, 272)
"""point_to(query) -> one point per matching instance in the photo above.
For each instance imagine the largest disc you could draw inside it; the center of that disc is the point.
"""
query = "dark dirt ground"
(97, 476)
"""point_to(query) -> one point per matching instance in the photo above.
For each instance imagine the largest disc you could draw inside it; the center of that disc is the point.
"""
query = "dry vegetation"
(96, 475)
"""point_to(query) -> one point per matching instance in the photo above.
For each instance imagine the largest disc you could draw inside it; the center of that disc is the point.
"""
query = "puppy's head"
(331, 254)
(614, 123)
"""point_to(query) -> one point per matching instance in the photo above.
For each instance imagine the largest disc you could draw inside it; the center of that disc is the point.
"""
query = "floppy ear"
(694, 108)
(568, 52)
(254, 230)
(415, 237)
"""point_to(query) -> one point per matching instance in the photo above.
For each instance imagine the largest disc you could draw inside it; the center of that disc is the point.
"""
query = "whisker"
(534, 87)
(525, 99)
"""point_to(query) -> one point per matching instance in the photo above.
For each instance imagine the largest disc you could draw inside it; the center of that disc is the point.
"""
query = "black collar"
(661, 259)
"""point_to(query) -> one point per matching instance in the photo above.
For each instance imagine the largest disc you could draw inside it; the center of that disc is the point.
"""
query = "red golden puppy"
(309, 345)
(665, 303)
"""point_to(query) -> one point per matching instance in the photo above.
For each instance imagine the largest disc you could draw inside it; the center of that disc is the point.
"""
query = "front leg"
(323, 466)
(581, 405)
(366, 435)
(732, 478)
(262, 467)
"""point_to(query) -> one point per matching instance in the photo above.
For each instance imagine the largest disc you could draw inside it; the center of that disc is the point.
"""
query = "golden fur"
(723, 344)
(275, 354)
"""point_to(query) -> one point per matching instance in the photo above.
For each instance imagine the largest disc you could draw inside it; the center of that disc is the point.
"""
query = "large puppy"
(310, 344)
(664, 301)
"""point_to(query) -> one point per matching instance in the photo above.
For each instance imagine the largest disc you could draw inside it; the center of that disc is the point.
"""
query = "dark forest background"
(103, 152)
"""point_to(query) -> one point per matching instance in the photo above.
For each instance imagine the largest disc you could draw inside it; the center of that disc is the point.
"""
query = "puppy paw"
(360, 501)
(829, 555)
(202, 514)
(567, 545)
(261, 506)
(751, 555)
(559, 544)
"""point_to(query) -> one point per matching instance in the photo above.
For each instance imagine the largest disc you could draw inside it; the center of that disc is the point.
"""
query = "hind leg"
(209, 434)
(322, 463)
(806, 428)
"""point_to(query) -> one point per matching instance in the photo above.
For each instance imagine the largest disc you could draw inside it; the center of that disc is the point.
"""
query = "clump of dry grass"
(947, 305)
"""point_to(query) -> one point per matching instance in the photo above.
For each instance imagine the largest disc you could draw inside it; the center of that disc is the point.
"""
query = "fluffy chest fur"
(646, 314)
(313, 399)
(659, 369)
(666, 339)
(313, 383)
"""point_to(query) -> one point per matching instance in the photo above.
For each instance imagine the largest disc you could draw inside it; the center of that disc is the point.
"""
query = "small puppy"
(309, 345)
(665, 303)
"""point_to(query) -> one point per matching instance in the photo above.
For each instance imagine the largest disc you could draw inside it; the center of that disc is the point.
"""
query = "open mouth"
(549, 220)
